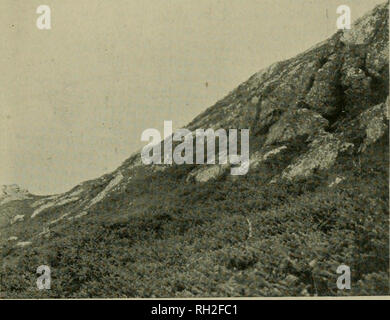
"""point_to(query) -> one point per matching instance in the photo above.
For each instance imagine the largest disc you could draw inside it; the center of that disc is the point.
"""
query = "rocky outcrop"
(212, 172)
(13, 192)
(60, 218)
(118, 178)
(309, 93)
(323, 152)
(273, 152)
(294, 123)
(56, 202)
(323, 96)
(18, 217)
(259, 156)
(315, 94)
(207, 173)
(374, 122)
(369, 28)
(303, 114)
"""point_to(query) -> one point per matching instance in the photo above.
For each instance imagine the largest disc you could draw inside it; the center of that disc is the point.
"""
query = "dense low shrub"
(240, 237)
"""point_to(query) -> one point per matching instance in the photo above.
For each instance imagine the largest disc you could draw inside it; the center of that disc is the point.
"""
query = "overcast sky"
(75, 99)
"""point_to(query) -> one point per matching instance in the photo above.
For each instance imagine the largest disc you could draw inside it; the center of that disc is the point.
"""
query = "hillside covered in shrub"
(316, 196)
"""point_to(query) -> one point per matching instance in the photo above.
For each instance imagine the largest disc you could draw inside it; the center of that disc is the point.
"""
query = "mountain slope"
(315, 197)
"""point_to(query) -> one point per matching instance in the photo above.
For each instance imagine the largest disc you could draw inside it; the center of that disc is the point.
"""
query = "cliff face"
(326, 106)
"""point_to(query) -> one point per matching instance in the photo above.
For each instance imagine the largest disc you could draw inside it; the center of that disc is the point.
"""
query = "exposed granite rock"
(56, 202)
(258, 157)
(45, 232)
(17, 218)
(356, 85)
(334, 79)
(323, 152)
(208, 172)
(13, 192)
(116, 180)
(294, 123)
(367, 29)
(323, 96)
(62, 217)
(373, 121)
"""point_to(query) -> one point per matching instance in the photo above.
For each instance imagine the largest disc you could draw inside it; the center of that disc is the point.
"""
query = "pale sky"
(75, 99)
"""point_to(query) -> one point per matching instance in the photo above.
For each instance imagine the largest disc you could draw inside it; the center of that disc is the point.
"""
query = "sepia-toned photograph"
(194, 149)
